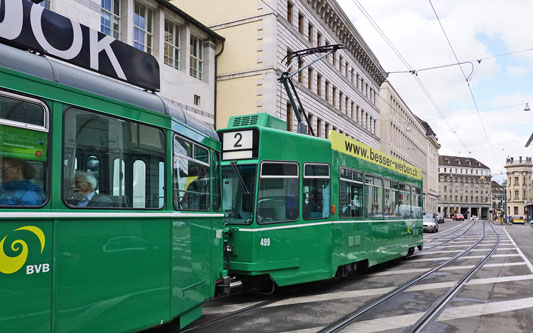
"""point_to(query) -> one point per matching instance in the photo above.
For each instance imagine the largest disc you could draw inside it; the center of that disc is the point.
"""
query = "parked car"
(518, 219)
(430, 224)
(458, 217)
(439, 218)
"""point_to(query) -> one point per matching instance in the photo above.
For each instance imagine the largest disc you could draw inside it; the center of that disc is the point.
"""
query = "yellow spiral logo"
(10, 265)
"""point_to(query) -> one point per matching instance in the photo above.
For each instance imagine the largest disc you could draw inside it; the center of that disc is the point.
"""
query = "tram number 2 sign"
(237, 145)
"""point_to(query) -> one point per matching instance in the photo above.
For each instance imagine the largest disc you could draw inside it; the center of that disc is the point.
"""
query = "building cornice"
(335, 18)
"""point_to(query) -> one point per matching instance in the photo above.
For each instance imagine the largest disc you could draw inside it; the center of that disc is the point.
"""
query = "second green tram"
(300, 208)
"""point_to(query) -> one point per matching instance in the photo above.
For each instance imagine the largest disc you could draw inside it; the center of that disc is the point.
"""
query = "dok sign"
(31, 27)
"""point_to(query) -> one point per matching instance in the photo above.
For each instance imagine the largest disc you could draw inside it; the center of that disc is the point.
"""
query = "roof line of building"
(189, 18)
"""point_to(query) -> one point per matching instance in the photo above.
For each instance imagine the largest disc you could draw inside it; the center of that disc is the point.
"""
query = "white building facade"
(338, 93)
(185, 49)
(410, 139)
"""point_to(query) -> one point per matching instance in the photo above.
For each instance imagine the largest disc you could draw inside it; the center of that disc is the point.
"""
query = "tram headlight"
(228, 248)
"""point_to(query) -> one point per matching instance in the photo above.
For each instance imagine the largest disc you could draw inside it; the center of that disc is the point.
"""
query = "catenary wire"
(466, 79)
(406, 64)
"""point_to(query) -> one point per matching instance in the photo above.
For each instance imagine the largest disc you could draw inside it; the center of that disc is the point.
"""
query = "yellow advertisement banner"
(359, 150)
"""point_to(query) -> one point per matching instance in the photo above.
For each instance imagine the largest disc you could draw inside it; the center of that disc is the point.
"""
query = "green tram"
(144, 248)
(300, 208)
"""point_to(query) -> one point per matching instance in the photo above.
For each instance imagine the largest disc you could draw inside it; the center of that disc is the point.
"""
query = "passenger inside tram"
(17, 189)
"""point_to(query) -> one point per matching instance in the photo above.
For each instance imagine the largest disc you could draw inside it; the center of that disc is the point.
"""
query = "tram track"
(434, 309)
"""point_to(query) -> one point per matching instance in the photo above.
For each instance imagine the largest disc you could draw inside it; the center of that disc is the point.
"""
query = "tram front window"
(238, 186)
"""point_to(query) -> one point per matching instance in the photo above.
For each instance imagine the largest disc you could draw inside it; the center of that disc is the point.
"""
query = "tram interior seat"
(267, 214)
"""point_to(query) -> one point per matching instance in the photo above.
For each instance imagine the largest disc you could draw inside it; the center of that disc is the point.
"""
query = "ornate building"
(519, 187)
(464, 187)
(409, 138)
(339, 92)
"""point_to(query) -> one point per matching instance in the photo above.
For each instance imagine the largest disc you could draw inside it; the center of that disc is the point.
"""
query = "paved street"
(499, 297)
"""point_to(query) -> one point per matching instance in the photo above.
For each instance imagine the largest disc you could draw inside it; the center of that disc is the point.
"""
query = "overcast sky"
(477, 29)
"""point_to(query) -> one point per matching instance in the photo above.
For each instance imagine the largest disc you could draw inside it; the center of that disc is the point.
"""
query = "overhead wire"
(466, 79)
(408, 66)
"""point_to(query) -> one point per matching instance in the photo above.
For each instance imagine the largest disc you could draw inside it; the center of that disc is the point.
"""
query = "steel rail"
(436, 308)
(451, 239)
(347, 320)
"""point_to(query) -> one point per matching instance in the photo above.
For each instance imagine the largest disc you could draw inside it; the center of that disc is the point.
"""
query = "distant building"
(431, 184)
(519, 187)
(464, 186)
(185, 49)
(339, 92)
(497, 195)
(410, 139)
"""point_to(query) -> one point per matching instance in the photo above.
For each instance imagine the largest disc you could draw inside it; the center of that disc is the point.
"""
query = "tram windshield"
(238, 186)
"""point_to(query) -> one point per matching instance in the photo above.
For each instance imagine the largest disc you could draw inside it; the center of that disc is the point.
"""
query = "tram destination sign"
(31, 27)
(357, 149)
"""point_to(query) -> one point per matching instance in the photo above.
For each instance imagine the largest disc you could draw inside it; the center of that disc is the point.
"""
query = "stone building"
(407, 137)
(497, 196)
(340, 92)
(519, 187)
(185, 49)
(464, 187)
(431, 190)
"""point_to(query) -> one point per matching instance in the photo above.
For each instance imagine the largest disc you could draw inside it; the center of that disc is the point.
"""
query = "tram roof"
(52, 70)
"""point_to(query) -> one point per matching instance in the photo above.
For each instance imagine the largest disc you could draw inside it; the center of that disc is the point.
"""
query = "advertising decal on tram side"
(357, 149)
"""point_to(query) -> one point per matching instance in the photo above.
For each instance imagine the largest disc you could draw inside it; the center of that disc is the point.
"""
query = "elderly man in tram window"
(86, 184)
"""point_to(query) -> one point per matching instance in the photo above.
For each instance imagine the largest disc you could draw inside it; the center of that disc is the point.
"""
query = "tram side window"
(23, 152)
(191, 176)
(217, 197)
(350, 193)
(404, 204)
(111, 163)
(417, 202)
(374, 195)
(316, 191)
(278, 197)
(390, 204)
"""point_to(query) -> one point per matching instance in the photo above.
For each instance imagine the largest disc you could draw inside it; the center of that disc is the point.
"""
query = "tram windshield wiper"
(241, 180)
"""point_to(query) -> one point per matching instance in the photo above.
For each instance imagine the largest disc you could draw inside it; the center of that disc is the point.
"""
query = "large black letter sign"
(29, 26)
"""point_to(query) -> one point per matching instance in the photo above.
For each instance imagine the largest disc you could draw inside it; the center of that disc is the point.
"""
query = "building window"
(290, 8)
(300, 72)
(318, 128)
(334, 95)
(196, 100)
(340, 63)
(142, 28)
(197, 58)
(326, 94)
(172, 45)
(310, 33)
(516, 210)
(318, 39)
(310, 78)
(516, 195)
(110, 19)
(46, 3)
(301, 23)
(319, 84)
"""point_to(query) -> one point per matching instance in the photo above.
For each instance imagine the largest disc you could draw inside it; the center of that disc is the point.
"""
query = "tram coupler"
(223, 286)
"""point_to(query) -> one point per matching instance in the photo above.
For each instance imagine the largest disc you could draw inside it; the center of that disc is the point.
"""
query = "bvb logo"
(10, 265)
